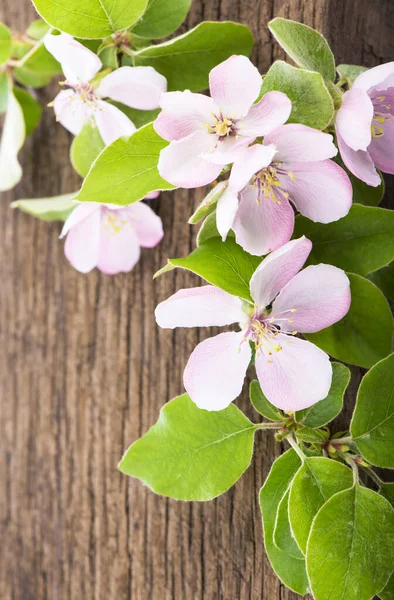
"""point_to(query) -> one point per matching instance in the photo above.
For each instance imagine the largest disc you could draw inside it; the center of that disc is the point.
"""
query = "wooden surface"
(84, 371)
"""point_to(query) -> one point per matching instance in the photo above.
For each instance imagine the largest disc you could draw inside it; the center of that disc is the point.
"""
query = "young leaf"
(283, 538)
(37, 29)
(208, 205)
(350, 72)
(5, 43)
(306, 46)
(387, 490)
(38, 68)
(192, 454)
(31, 108)
(162, 18)
(372, 426)
(109, 57)
(384, 279)
(312, 104)
(56, 208)
(361, 242)
(310, 435)
(318, 479)
(363, 336)
(11, 142)
(209, 230)
(85, 148)
(187, 60)
(261, 404)
(351, 546)
(224, 264)
(326, 410)
(138, 117)
(126, 171)
(290, 570)
(91, 19)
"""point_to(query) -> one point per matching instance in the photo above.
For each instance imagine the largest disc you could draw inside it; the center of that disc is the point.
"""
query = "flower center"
(268, 183)
(85, 93)
(380, 118)
(264, 328)
(222, 126)
(115, 222)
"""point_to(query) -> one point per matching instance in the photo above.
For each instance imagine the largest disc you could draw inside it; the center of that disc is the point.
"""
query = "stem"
(295, 447)
(343, 440)
(379, 482)
(350, 461)
(275, 425)
(24, 59)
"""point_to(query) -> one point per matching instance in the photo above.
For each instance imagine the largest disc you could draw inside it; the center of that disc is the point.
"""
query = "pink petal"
(138, 87)
(147, 224)
(235, 85)
(272, 111)
(216, 370)
(80, 212)
(264, 226)
(205, 306)
(277, 269)
(297, 376)
(78, 63)
(71, 112)
(353, 121)
(301, 143)
(381, 149)
(181, 164)
(374, 77)
(250, 161)
(321, 191)
(228, 150)
(319, 295)
(83, 243)
(183, 113)
(112, 123)
(119, 247)
(226, 210)
(359, 163)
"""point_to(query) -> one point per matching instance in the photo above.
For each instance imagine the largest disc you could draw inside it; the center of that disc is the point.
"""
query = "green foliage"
(387, 490)
(388, 592)
(5, 43)
(208, 205)
(192, 454)
(85, 148)
(384, 279)
(4, 83)
(350, 72)
(366, 194)
(138, 117)
(56, 208)
(162, 18)
(283, 538)
(37, 29)
(37, 69)
(261, 404)
(209, 230)
(310, 435)
(31, 109)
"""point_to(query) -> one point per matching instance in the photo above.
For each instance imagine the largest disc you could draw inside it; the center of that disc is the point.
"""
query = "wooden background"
(84, 371)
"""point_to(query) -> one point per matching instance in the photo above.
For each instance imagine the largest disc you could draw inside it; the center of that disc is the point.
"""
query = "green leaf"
(363, 336)
(109, 57)
(318, 479)
(85, 148)
(283, 538)
(261, 404)
(192, 454)
(209, 230)
(351, 546)
(37, 29)
(90, 19)
(5, 43)
(208, 205)
(372, 426)
(162, 18)
(138, 117)
(350, 72)
(388, 592)
(4, 83)
(187, 60)
(366, 194)
(224, 264)
(290, 570)
(13, 136)
(387, 490)
(56, 208)
(361, 242)
(310, 435)
(326, 410)
(306, 46)
(312, 104)
(38, 68)
(31, 108)
(384, 279)
(126, 171)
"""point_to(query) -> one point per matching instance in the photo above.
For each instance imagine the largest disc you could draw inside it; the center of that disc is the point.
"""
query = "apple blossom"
(290, 166)
(109, 237)
(137, 87)
(205, 131)
(293, 372)
(365, 126)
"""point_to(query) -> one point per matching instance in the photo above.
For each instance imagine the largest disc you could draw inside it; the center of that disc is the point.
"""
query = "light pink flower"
(291, 166)
(137, 87)
(205, 131)
(365, 124)
(293, 373)
(109, 237)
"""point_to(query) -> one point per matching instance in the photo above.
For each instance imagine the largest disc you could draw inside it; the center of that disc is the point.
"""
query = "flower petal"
(272, 111)
(248, 162)
(119, 247)
(205, 306)
(79, 64)
(359, 163)
(381, 149)
(112, 123)
(297, 376)
(183, 113)
(83, 242)
(374, 77)
(13, 136)
(147, 224)
(235, 85)
(263, 226)
(353, 121)
(321, 191)
(299, 143)
(138, 87)
(319, 296)
(215, 372)
(80, 212)
(226, 210)
(71, 112)
(277, 269)
(180, 163)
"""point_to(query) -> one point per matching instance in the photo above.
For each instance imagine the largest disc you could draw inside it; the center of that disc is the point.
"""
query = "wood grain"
(84, 371)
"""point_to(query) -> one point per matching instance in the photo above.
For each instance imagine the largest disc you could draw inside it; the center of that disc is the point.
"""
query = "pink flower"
(204, 131)
(291, 166)
(138, 87)
(109, 237)
(293, 373)
(365, 124)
